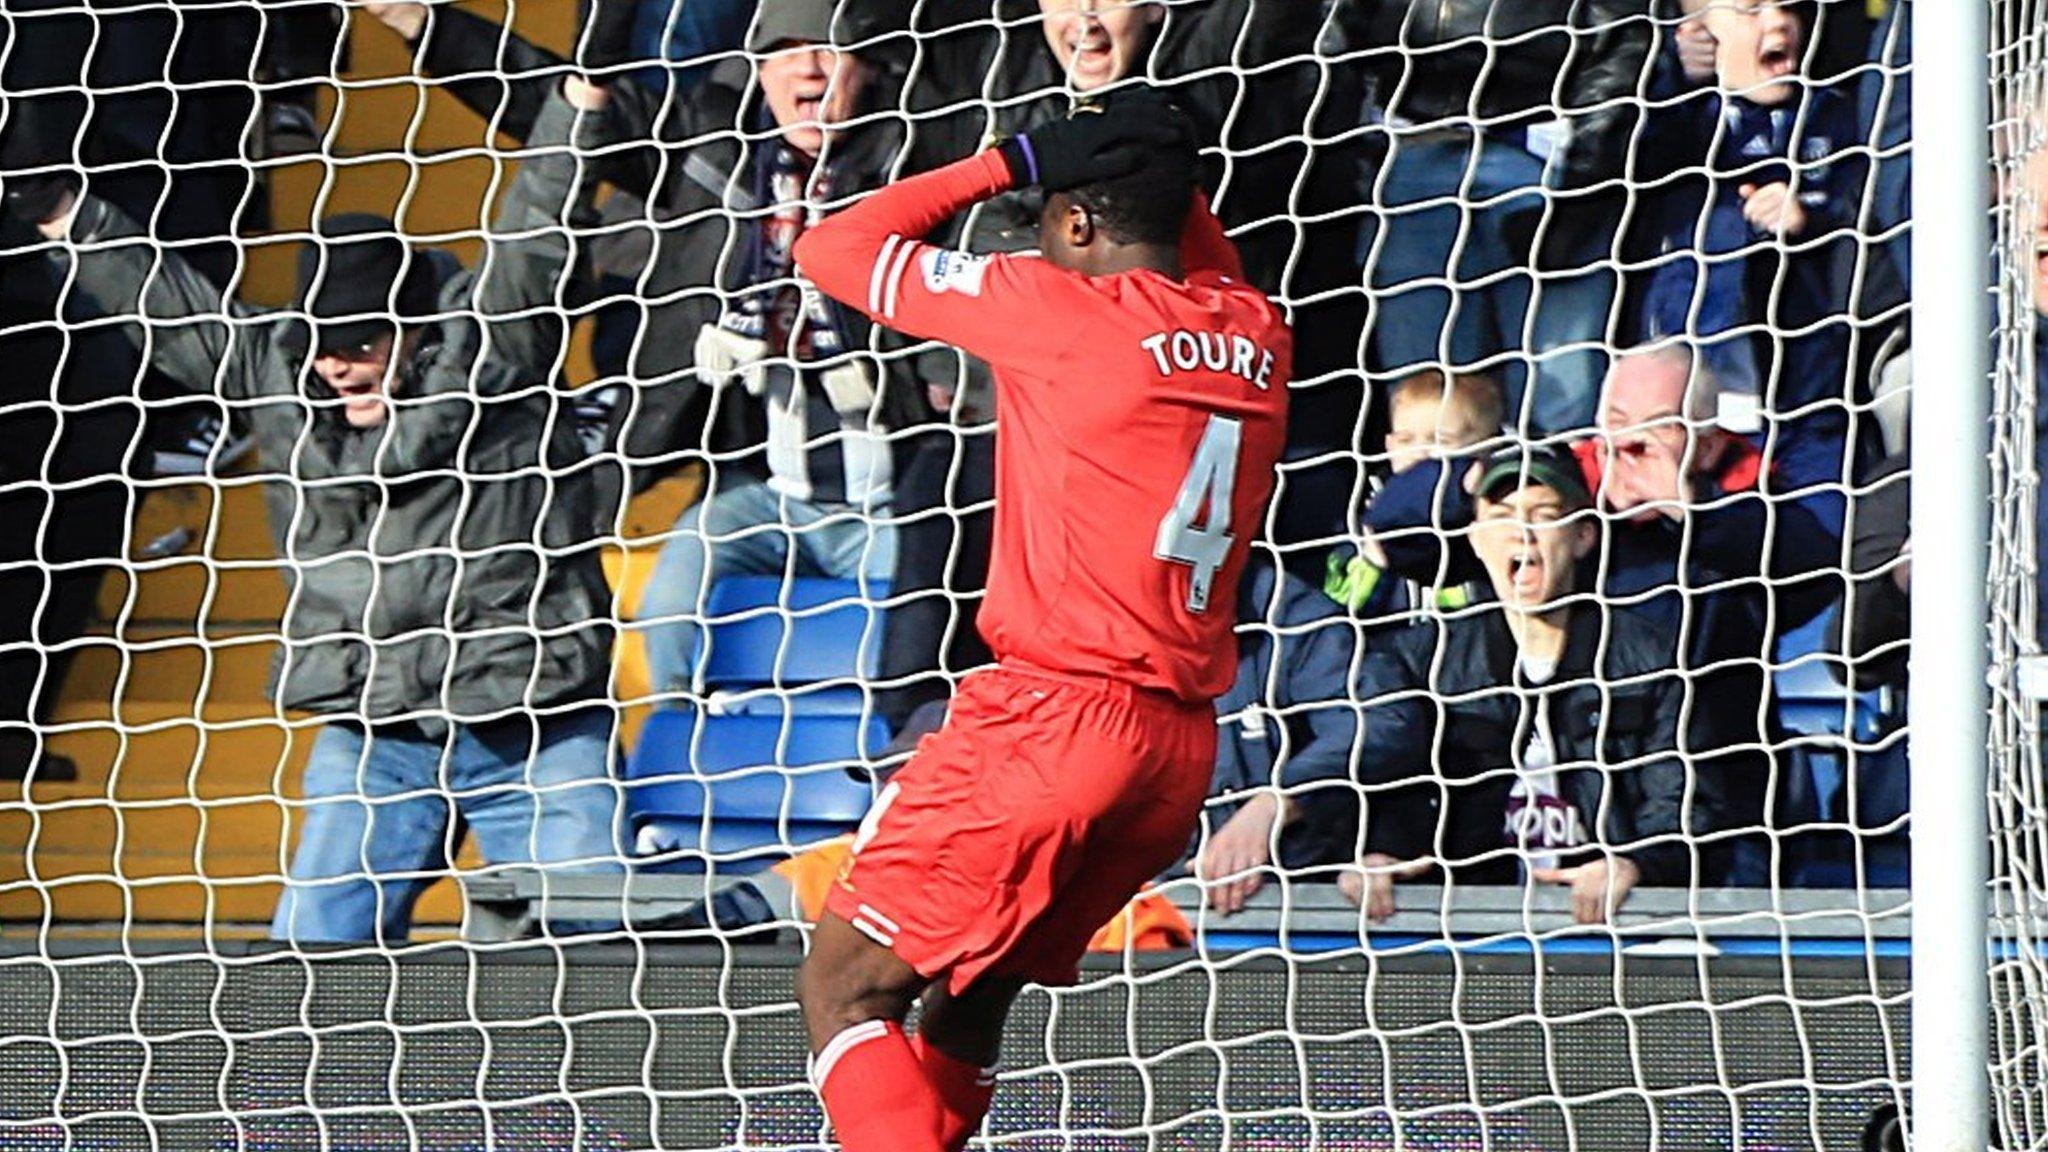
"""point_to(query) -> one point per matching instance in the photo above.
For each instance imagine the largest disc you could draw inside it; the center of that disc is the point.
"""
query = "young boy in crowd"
(1533, 740)
(1433, 417)
(1755, 231)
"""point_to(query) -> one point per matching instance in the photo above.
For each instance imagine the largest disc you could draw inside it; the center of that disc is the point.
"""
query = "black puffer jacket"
(1513, 61)
(1446, 723)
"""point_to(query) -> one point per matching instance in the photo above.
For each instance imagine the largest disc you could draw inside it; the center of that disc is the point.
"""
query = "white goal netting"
(2018, 1106)
(460, 589)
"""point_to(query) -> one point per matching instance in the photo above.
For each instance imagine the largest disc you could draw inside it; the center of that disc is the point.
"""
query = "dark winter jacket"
(1512, 62)
(442, 565)
(1739, 565)
(681, 224)
(1289, 720)
(1445, 724)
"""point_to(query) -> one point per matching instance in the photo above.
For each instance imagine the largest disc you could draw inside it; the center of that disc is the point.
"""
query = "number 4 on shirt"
(1210, 485)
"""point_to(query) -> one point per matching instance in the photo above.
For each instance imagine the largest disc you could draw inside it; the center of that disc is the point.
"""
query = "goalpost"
(1957, 74)
(141, 1005)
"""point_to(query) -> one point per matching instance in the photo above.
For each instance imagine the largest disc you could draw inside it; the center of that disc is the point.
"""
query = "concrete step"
(79, 891)
(227, 573)
(147, 666)
(169, 810)
(163, 750)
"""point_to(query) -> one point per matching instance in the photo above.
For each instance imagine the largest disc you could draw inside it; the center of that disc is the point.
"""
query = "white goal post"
(1950, 710)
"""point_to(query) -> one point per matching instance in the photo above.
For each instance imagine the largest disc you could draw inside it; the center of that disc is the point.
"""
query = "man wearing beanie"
(447, 613)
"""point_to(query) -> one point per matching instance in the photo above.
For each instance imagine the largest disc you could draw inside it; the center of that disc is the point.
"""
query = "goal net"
(462, 590)
(2017, 1106)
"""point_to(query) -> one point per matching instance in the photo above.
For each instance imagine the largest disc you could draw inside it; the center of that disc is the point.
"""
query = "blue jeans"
(385, 808)
(1482, 200)
(749, 530)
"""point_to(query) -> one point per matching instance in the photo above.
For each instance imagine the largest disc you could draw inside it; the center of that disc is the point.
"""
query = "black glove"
(1098, 141)
(605, 34)
(39, 132)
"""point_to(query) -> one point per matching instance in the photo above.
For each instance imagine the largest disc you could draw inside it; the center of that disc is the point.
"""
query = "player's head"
(1531, 526)
(1435, 415)
(810, 85)
(1099, 42)
(1133, 220)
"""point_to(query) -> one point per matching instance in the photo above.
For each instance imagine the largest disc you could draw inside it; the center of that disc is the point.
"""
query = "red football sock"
(964, 1090)
(875, 1091)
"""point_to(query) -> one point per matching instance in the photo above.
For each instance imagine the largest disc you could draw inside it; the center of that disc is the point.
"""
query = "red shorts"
(1018, 829)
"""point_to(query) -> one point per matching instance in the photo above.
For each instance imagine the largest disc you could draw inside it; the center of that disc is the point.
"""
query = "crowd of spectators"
(1587, 295)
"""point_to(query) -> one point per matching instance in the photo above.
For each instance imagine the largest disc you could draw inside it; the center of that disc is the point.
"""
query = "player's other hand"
(1234, 861)
(1371, 884)
(1598, 888)
(1098, 141)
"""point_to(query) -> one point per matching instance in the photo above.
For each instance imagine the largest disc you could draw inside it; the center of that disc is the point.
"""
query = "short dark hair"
(1149, 206)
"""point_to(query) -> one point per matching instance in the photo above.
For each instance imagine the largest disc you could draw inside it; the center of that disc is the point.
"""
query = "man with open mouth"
(1533, 739)
(448, 617)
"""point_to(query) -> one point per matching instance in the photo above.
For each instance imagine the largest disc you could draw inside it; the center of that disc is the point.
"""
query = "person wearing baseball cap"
(1550, 755)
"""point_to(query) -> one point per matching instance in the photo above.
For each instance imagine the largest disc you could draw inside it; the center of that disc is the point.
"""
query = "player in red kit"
(1142, 392)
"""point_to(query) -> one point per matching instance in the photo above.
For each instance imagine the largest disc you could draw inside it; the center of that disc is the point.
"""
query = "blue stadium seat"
(764, 630)
(747, 790)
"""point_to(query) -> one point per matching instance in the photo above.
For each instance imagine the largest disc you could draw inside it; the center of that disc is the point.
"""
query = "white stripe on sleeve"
(891, 291)
(881, 267)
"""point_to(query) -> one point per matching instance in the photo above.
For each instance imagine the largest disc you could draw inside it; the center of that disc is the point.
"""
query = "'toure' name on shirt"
(1141, 419)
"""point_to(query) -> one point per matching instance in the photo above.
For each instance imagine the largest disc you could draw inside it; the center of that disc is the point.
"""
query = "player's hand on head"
(1097, 141)
(1597, 887)
(1371, 884)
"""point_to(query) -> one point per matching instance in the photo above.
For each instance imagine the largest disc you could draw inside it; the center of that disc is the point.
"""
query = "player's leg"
(959, 1039)
(855, 993)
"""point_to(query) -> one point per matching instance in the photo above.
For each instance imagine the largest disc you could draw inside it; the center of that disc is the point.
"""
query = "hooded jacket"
(442, 565)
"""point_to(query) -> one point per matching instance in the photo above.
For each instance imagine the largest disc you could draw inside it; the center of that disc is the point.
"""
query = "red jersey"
(1141, 421)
